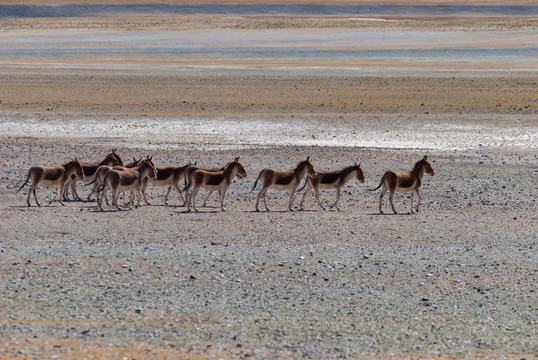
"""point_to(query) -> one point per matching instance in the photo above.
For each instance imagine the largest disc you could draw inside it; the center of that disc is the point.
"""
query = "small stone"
(424, 299)
(138, 311)
(192, 277)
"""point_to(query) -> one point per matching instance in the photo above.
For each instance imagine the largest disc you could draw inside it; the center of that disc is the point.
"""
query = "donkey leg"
(187, 197)
(179, 191)
(292, 197)
(139, 197)
(65, 192)
(59, 192)
(54, 197)
(30, 191)
(265, 200)
(207, 198)
(411, 208)
(125, 203)
(221, 195)
(94, 191)
(383, 191)
(308, 187)
(100, 198)
(419, 199)
(144, 193)
(115, 194)
(193, 198)
(74, 188)
(316, 194)
(167, 193)
(89, 197)
(131, 200)
(188, 201)
(258, 200)
(337, 199)
(391, 195)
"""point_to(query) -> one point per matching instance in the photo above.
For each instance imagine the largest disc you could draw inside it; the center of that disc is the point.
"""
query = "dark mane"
(228, 166)
(348, 169)
(108, 157)
(71, 163)
(225, 166)
(418, 165)
(133, 164)
(301, 163)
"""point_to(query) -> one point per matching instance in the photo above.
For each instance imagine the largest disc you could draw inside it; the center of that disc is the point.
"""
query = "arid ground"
(456, 280)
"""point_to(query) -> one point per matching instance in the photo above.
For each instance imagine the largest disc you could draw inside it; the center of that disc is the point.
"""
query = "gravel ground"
(457, 280)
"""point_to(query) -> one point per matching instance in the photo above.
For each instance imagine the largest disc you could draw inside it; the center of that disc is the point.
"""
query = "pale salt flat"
(236, 132)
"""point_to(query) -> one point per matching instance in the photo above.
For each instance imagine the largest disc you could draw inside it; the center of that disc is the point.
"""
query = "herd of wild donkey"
(134, 177)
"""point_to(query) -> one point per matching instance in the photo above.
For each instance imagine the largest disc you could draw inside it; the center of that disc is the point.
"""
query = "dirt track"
(455, 280)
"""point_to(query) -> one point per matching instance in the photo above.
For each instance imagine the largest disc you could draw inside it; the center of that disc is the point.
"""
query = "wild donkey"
(282, 180)
(52, 176)
(331, 180)
(167, 176)
(188, 179)
(404, 182)
(100, 176)
(215, 181)
(125, 180)
(90, 168)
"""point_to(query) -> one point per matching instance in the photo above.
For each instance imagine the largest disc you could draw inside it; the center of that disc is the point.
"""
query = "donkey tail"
(378, 186)
(26, 182)
(102, 186)
(308, 176)
(187, 184)
(256, 182)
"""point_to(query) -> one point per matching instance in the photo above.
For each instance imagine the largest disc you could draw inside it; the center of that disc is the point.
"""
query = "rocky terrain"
(456, 280)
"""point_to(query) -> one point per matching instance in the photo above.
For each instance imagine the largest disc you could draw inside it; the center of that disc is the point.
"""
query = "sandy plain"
(457, 280)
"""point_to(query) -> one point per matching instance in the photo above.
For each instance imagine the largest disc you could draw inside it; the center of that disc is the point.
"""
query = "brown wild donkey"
(90, 168)
(404, 182)
(282, 181)
(331, 180)
(52, 176)
(100, 176)
(125, 180)
(188, 179)
(214, 181)
(167, 176)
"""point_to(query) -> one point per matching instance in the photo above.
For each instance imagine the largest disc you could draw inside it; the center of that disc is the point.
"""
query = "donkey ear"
(425, 157)
(236, 159)
(308, 158)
